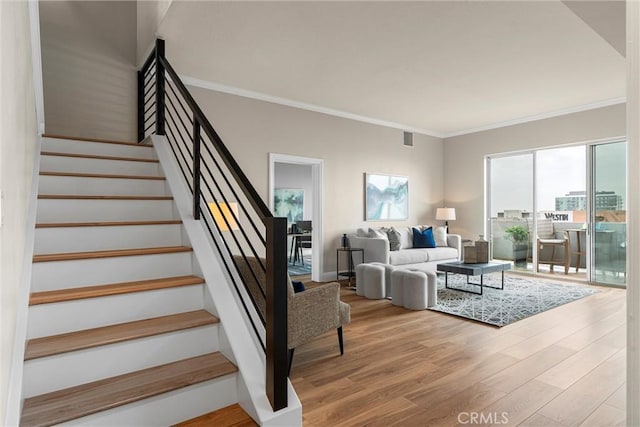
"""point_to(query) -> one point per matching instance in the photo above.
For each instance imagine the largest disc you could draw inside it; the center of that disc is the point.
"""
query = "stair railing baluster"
(196, 169)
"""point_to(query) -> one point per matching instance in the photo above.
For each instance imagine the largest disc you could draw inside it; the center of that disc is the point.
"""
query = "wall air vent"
(408, 139)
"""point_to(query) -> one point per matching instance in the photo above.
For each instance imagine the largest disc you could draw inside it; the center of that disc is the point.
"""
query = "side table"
(350, 270)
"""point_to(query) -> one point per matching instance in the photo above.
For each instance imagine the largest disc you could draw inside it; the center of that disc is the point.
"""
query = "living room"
(444, 169)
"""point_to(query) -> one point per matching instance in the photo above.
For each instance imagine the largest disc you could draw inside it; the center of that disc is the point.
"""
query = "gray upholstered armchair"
(310, 313)
(313, 312)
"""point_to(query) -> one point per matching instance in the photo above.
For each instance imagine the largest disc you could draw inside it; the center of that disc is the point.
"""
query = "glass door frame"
(488, 226)
(592, 212)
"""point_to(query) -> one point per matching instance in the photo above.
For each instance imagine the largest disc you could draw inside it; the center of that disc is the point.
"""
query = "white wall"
(464, 155)
(149, 16)
(18, 131)
(89, 72)
(252, 129)
(288, 175)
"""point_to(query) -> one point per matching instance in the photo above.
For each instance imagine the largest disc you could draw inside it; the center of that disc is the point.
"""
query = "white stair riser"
(52, 373)
(71, 316)
(69, 210)
(49, 184)
(80, 239)
(87, 165)
(168, 408)
(47, 276)
(97, 148)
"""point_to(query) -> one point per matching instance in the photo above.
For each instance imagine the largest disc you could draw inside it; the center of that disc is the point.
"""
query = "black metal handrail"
(250, 240)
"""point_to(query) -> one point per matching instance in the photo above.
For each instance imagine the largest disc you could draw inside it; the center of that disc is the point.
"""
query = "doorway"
(300, 180)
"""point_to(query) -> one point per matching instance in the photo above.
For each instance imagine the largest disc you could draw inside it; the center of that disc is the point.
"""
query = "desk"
(350, 270)
(296, 248)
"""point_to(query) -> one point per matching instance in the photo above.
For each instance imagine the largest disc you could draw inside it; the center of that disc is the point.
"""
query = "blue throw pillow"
(297, 286)
(424, 238)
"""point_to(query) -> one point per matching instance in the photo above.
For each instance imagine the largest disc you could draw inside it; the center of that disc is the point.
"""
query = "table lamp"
(446, 214)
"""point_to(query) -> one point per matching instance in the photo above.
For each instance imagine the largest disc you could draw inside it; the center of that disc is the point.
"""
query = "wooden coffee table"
(479, 269)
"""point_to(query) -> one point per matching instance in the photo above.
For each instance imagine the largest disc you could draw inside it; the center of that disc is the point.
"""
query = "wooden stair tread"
(95, 156)
(104, 141)
(102, 175)
(70, 256)
(89, 338)
(107, 223)
(230, 416)
(71, 294)
(75, 402)
(104, 197)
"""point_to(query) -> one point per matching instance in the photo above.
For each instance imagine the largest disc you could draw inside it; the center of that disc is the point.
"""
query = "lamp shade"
(222, 211)
(446, 214)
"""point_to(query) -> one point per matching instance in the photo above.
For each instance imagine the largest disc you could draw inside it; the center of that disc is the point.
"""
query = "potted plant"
(519, 237)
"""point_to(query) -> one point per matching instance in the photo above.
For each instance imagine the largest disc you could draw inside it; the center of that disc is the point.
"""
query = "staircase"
(121, 330)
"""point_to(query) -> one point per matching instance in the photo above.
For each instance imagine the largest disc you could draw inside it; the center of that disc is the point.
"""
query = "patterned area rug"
(522, 297)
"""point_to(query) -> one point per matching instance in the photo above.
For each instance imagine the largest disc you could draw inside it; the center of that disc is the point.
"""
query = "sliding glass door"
(561, 211)
(510, 208)
(608, 213)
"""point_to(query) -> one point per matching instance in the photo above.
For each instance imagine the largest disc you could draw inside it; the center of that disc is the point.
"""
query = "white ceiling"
(443, 68)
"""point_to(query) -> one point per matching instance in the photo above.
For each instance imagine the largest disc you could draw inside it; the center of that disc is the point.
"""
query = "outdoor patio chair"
(547, 238)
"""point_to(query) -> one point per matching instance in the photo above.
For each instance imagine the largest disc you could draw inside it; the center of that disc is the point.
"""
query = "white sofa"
(376, 249)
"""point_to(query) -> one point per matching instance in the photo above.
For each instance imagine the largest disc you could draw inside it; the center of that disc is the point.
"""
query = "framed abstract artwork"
(386, 197)
(289, 203)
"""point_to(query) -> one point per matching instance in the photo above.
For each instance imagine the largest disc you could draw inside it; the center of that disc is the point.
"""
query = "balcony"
(608, 251)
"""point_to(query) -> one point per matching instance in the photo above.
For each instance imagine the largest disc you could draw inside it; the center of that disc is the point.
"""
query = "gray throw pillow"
(394, 239)
(361, 232)
(377, 233)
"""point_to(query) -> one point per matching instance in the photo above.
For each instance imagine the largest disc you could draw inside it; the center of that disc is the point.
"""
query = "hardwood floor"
(563, 367)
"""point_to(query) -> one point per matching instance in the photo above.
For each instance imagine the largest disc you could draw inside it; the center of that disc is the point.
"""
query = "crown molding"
(219, 87)
(233, 90)
(541, 116)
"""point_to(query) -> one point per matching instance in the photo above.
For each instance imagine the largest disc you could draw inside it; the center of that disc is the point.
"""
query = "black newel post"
(160, 87)
(276, 325)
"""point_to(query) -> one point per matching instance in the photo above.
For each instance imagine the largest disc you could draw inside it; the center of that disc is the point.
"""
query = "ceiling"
(441, 68)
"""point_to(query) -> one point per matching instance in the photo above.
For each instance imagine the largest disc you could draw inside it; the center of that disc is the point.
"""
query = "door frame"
(317, 170)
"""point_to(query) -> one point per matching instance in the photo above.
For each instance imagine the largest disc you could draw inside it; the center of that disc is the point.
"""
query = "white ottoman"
(388, 268)
(397, 290)
(360, 279)
(413, 289)
(370, 281)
